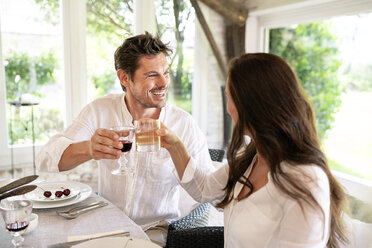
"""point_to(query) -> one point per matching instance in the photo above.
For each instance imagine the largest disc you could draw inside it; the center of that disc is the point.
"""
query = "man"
(142, 68)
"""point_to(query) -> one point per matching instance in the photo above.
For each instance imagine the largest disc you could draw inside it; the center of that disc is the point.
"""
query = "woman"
(276, 191)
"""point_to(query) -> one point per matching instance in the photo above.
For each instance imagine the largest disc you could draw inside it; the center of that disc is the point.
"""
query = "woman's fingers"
(168, 139)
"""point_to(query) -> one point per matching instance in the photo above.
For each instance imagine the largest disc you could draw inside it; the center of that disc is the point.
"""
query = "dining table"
(54, 229)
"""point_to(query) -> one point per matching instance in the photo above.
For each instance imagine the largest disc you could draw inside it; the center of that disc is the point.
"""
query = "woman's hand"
(168, 139)
(176, 149)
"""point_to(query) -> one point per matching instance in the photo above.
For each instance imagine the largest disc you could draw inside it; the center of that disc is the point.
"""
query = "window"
(32, 57)
(329, 59)
(176, 24)
(108, 24)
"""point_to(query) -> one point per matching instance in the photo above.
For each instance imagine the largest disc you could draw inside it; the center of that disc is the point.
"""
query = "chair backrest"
(216, 154)
(197, 218)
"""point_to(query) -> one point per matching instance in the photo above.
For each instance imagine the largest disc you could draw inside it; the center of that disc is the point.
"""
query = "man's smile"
(159, 92)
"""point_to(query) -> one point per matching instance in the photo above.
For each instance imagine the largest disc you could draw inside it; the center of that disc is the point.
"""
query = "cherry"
(66, 192)
(47, 193)
(58, 193)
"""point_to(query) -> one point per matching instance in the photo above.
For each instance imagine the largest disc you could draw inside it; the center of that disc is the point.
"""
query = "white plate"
(83, 189)
(116, 242)
(38, 193)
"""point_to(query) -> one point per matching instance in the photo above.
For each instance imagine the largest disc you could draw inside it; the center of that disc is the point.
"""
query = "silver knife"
(18, 191)
(17, 183)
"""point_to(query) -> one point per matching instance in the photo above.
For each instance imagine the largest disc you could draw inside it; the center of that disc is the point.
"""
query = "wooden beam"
(234, 12)
(221, 62)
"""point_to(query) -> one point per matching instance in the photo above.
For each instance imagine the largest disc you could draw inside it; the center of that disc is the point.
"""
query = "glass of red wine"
(16, 214)
(126, 136)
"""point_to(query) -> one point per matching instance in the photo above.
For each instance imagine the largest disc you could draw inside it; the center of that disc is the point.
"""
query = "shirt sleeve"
(196, 144)
(307, 227)
(204, 187)
(81, 129)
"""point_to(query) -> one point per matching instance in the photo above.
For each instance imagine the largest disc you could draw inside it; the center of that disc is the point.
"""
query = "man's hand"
(105, 144)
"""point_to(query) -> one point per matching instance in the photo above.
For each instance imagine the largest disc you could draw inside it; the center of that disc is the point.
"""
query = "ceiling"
(263, 5)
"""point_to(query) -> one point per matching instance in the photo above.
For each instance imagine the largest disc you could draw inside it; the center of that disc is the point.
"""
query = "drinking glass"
(146, 138)
(126, 136)
(16, 214)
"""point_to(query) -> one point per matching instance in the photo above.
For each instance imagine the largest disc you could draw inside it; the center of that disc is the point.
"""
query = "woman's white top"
(268, 217)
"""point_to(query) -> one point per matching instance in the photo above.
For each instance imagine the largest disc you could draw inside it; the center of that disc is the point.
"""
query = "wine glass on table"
(126, 137)
(16, 214)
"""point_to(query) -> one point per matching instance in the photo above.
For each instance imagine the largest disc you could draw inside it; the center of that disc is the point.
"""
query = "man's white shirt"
(156, 191)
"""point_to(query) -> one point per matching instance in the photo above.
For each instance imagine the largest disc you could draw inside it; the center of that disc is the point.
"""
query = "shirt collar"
(239, 186)
(127, 117)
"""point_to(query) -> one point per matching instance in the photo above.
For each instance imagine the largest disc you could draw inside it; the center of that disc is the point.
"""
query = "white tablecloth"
(54, 229)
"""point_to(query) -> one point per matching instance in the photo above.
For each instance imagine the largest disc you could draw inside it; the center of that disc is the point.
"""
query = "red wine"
(17, 226)
(127, 145)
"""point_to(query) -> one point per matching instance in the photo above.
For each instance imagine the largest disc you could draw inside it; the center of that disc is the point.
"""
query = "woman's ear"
(123, 78)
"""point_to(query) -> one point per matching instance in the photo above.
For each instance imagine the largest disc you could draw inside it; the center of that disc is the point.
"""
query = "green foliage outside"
(19, 71)
(172, 18)
(311, 50)
(25, 74)
(46, 124)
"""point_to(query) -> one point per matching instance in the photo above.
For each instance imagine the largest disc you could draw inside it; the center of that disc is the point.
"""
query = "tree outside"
(311, 50)
(175, 22)
(324, 57)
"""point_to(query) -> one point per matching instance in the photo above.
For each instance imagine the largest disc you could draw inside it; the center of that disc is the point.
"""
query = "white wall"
(206, 94)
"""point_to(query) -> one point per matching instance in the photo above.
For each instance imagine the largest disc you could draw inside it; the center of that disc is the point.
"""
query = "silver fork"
(73, 213)
(80, 207)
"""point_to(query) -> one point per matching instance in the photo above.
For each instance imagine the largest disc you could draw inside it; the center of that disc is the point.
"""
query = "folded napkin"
(98, 235)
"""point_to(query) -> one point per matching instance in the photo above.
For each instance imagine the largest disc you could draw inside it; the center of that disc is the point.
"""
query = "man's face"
(150, 81)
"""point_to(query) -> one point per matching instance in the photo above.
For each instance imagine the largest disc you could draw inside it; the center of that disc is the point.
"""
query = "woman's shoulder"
(312, 176)
(308, 172)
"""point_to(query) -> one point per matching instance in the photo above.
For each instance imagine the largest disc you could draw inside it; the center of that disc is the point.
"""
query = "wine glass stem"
(17, 239)
(123, 161)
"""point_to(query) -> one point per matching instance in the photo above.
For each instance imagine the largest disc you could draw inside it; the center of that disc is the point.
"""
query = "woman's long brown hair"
(272, 106)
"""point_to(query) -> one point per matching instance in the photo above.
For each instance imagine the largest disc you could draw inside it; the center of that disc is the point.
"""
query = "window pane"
(180, 33)
(32, 52)
(108, 24)
(330, 60)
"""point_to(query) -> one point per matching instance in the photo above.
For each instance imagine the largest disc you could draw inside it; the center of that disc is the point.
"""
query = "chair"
(200, 237)
(196, 218)
(192, 230)
(216, 154)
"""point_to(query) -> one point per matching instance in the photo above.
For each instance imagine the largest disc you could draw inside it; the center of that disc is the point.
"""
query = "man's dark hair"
(129, 53)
